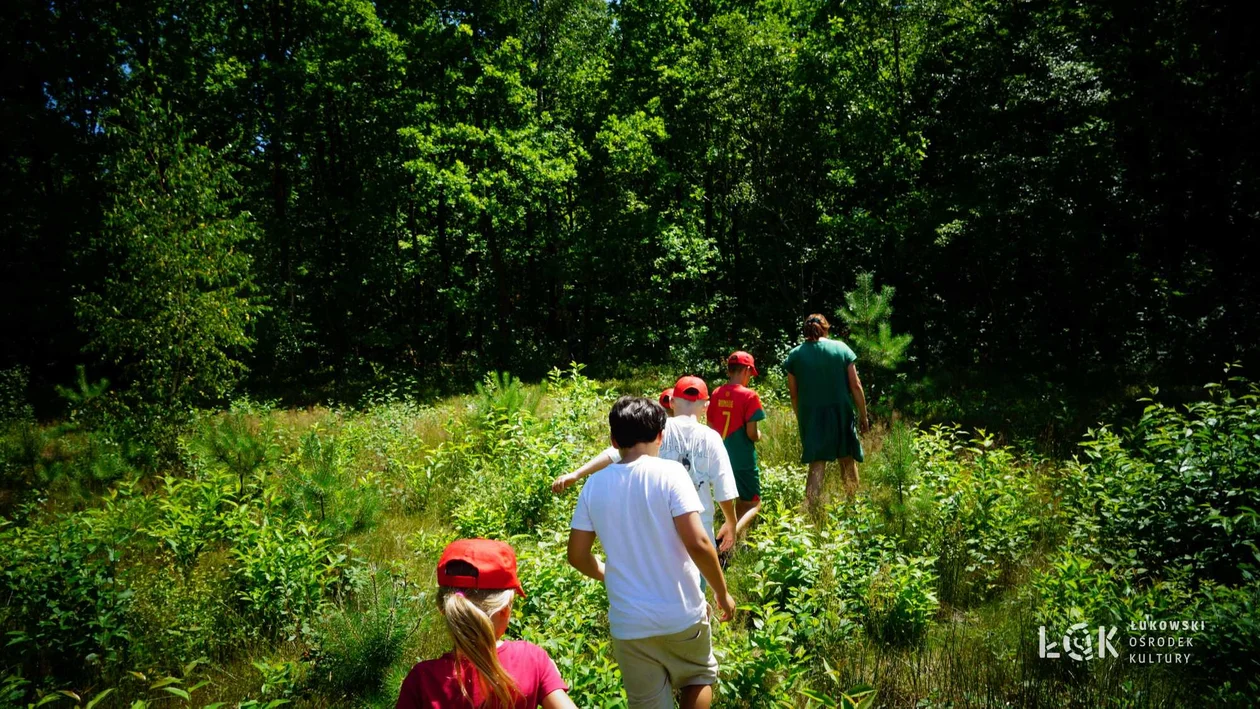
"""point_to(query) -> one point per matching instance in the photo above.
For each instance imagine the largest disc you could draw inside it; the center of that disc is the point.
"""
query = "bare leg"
(696, 696)
(814, 485)
(849, 474)
(746, 512)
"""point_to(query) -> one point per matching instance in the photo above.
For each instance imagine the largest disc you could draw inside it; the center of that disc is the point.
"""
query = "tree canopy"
(1059, 188)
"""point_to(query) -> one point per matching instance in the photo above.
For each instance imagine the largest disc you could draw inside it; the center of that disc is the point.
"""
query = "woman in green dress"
(825, 388)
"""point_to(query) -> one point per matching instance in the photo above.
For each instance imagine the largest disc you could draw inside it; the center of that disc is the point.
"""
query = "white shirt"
(653, 586)
(704, 457)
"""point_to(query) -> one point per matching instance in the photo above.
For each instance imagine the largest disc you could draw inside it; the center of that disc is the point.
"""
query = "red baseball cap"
(691, 388)
(494, 563)
(666, 395)
(742, 357)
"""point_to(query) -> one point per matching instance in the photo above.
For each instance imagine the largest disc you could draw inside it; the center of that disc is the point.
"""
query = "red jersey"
(731, 407)
(433, 684)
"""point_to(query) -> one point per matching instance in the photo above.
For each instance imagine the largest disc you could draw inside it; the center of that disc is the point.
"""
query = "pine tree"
(867, 314)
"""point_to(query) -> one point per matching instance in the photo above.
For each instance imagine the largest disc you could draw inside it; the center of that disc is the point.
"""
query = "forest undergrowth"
(287, 557)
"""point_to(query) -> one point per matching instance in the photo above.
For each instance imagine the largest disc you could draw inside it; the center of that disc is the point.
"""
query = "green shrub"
(355, 645)
(1180, 488)
(178, 615)
(984, 520)
(65, 603)
(320, 483)
(283, 572)
(901, 601)
(192, 514)
(1226, 657)
(501, 394)
(234, 442)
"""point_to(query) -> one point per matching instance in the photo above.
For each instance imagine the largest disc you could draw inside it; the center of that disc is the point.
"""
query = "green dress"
(824, 407)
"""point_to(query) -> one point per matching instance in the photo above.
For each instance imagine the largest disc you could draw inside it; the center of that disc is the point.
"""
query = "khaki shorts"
(652, 668)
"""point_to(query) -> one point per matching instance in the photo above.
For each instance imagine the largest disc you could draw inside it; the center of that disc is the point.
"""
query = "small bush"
(901, 601)
(177, 616)
(65, 603)
(283, 571)
(354, 646)
(1227, 654)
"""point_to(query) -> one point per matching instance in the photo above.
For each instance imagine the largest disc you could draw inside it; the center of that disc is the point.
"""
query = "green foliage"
(66, 602)
(1176, 490)
(180, 614)
(501, 394)
(283, 572)
(354, 646)
(14, 404)
(174, 308)
(982, 524)
(1227, 653)
(901, 601)
(867, 313)
(321, 484)
(259, 552)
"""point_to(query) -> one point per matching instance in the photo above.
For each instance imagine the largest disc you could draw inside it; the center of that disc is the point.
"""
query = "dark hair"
(816, 326)
(735, 368)
(634, 420)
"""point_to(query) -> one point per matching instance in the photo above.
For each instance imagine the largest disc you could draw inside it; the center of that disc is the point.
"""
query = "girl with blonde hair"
(477, 584)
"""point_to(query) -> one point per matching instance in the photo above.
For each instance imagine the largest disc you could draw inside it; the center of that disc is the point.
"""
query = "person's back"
(653, 586)
(823, 364)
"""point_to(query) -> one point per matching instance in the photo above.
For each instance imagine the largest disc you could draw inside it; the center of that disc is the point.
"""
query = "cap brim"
(519, 591)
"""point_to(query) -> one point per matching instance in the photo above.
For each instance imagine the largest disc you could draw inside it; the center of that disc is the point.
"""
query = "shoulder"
(522, 649)
(427, 672)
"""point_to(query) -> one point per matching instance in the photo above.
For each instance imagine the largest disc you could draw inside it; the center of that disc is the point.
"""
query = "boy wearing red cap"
(734, 412)
(646, 514)
(477, 583)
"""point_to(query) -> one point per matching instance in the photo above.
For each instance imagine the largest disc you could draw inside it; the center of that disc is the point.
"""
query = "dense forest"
(322, 195)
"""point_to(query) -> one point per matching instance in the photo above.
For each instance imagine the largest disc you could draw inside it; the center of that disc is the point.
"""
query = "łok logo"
(1079, 643)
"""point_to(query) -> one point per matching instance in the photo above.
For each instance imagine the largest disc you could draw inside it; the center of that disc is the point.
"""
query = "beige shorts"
(652, 668)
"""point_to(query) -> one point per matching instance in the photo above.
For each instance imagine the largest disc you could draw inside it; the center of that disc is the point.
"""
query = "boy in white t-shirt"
(646, 514)
(698, 448)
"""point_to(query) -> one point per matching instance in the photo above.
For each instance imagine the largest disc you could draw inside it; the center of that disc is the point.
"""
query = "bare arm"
(701, 551)
(580, 556)
(792, 390)
(592, 466)
(751, 429)
(859, 398)
(558, 699)
(726, 535)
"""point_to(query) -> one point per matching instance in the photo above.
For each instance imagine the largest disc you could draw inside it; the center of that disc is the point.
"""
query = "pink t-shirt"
(432, 684)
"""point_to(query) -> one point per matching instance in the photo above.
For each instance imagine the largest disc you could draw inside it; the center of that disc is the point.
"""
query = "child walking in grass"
(477, 583)
(646, 514)
(734, 412)
(697, 448)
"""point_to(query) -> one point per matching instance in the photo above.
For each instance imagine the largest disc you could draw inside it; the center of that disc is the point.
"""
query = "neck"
(638, 450)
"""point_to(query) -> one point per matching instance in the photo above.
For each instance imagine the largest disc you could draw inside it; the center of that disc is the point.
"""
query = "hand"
(559, 484)
(726, 536)
(727, 603)
(864, 425)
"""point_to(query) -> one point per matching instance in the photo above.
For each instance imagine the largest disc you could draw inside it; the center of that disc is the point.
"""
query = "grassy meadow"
(286, 557)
